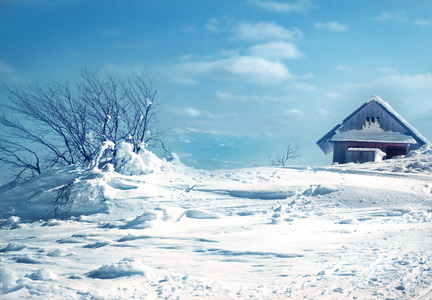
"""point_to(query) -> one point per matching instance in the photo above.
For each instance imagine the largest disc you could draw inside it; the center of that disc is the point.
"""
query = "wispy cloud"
(265, 31)
(293, 113)
(225, 96)
(342, 67)
(324, 112)
(213, 132)
(249, 69)
(276, 50)
(405, 81)
(8, 73)
(212, 25)
(397, 81)
(296, 6)
(301, 86)
(422, 22)
(388, 69)
(396, 15)
(332, 26)
(333, 96)
(189, 111)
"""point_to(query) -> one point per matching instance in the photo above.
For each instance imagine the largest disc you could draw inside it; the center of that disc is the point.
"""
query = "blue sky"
(241, 78)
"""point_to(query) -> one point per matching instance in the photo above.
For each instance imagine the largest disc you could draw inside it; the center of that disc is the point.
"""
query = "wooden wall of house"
(340, 149)
(387, 123)
(360, 156)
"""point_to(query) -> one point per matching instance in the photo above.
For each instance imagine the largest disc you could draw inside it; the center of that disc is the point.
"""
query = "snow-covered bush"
(125, 267)
(127, 162)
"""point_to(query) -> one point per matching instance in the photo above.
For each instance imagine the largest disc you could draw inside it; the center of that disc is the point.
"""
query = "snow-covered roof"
(373, 136)
(398, 117)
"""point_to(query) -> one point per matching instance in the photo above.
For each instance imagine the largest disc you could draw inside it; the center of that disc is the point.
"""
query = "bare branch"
(291, 152)
(49, 124)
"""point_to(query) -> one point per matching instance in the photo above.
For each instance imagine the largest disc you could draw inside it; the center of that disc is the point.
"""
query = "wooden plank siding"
(373, 109)
(340, 149)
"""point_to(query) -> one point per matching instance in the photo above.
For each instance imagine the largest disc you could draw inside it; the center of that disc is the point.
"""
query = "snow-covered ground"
(151, 229)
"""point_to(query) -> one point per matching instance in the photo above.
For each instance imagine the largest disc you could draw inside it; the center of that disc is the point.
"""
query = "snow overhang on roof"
(373, 136)
(415, 134)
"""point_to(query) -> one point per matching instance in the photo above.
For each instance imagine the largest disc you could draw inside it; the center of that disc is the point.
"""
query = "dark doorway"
(392, 151)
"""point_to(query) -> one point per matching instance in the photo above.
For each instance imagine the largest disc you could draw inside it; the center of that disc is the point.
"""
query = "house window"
(372, 122)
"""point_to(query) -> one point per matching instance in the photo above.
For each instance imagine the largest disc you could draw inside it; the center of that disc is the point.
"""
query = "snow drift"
(146, 228)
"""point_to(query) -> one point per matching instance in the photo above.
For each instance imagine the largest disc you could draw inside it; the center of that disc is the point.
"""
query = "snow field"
(261, 233)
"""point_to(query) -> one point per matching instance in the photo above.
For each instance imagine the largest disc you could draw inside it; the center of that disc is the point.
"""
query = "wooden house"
(371, 133)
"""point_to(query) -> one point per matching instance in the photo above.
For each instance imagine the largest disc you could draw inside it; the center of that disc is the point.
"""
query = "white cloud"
(213, 132)
(423, 23)
(189, 29)
(397, 15)
(184, 140)
(6, 68)
(298, 6)
(276, 50)
(333, 96)
(264, 31)
(405, 81)
(324, 112)
(8, 73)
(397, 81)
(388, 69)
(191, 112)
(293, 113)
(301, 86)
(342, 67)
(212, 25)
(332, 26)
(248, 69)
(233, 97)
(224, 96)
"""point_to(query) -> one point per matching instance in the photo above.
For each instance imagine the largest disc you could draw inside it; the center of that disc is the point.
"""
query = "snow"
(373, 136)
(150, 229)
(398, 117)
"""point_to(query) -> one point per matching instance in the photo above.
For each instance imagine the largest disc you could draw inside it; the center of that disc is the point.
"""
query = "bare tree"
(49, 124)
(291, 152)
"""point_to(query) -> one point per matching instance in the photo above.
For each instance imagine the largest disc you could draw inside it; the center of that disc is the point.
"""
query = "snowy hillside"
(150, 229)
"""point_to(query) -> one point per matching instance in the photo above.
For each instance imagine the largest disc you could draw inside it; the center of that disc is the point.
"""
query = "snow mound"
(12, 247)
(144, 220)
(27, 259)
(59, 253)
(7, 280)
(68, 191)
(11, 223)
(125, 267)
(129, 163)
(416, 161)
(318, 190)
(200, 214)
(43, 275)
(75, 191)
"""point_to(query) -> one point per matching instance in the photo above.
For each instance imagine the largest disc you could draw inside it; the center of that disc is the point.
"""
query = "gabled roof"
(326, 142)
